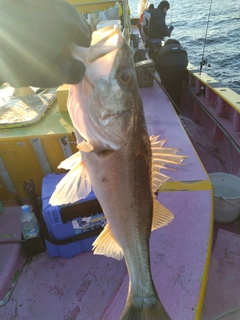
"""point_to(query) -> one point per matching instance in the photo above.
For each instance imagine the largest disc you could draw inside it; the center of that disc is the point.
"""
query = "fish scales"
(115, 159)
(122, 183)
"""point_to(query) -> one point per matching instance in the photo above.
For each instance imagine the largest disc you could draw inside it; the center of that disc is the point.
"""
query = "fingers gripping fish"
(120, 162)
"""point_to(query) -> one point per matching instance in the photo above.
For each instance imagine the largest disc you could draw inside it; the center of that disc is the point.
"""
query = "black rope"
(204, 61)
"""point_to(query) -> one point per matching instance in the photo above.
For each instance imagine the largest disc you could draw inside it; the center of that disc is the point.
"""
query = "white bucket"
(226, 189)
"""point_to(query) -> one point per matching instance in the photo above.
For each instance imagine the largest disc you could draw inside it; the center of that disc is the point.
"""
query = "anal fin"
(161, 215)
(106, 245)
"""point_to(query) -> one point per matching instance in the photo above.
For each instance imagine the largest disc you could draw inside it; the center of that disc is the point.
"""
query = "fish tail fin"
(155, 311)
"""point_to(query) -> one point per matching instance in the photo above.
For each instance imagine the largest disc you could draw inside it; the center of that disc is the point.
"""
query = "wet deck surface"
(89, 287)
(85, 286)
(223, 289)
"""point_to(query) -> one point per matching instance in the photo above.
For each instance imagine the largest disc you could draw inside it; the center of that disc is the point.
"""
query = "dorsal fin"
(75, 185)
(161, 215)
(160, 157)
(106, 245)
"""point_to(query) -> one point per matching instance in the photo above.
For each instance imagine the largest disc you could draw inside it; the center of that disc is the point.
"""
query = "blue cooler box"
(64, 222)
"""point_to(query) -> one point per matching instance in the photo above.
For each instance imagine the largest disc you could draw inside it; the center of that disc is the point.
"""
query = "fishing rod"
(204, 61)
(171, 12)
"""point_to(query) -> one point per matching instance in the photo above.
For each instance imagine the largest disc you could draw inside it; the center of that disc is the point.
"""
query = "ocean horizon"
(210, 30)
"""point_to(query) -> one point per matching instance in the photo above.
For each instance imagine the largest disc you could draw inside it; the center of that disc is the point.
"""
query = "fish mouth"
(112, 35)
(104, 41)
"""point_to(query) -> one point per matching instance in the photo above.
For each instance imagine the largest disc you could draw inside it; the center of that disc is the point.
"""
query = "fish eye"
(125, 76)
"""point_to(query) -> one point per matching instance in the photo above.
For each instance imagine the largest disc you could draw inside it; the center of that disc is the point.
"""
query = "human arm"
(163, 30)
(170, 29)
(146, 18)
(34, 36)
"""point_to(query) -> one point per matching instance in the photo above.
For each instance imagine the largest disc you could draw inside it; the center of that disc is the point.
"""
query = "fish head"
(104, 104)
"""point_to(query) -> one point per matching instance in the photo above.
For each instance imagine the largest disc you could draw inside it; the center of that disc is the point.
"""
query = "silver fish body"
(117, 161)
(122, 182)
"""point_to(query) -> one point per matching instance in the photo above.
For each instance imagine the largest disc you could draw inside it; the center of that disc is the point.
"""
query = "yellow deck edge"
(200, 303)
(186, 185)
(200, 185)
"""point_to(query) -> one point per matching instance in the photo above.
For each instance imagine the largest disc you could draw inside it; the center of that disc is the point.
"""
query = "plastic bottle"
(29, 223)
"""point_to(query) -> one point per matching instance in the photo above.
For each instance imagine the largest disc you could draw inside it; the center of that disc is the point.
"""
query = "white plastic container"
(226, 196)
(107, 23)
(29, 223)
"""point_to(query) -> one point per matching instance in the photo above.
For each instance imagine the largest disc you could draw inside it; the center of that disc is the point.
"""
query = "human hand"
(170, 29)
(34, 37)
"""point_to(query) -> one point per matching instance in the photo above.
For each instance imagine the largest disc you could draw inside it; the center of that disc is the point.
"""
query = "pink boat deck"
(11, 255)
(91, 287)
(223, 289)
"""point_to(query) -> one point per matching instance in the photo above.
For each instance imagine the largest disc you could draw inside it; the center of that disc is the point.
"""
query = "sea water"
(208, 29)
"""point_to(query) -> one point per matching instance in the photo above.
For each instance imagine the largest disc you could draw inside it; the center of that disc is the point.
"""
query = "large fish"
(120, 162)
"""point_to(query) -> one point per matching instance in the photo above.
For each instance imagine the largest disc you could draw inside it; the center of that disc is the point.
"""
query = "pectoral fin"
(85, 146)
(71, 162)
(161, 215)
(106, 245)
(75, 185)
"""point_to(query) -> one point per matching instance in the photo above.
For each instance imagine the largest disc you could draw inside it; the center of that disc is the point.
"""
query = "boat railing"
(89, 8)
(81, 4)
(218, 101)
